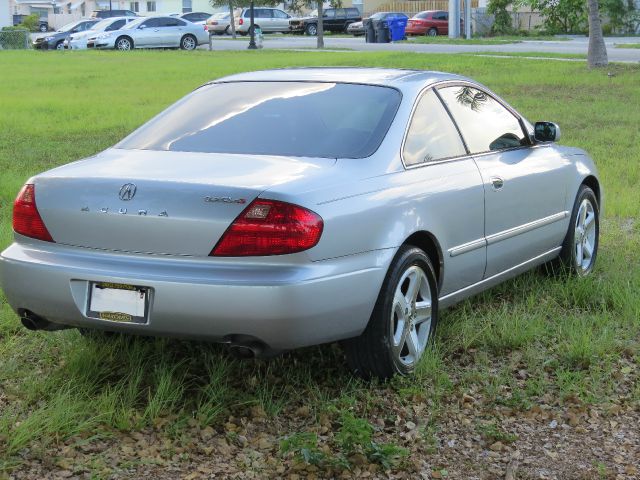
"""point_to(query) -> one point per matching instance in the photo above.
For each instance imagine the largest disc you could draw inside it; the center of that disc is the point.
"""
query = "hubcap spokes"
(585, 235)
(411, 316)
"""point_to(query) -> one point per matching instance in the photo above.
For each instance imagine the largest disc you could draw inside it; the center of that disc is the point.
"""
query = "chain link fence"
(14, 39)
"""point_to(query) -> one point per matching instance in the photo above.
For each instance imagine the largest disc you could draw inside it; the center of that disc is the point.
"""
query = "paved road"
(572, 46)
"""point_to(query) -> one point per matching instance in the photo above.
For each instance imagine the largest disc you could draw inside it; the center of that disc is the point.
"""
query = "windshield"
(303, 119)
(133, 24)
(102, 24)
(68, 26)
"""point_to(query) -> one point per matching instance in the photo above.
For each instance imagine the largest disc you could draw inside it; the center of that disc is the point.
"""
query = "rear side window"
(441, 16)
(353, 12)
(303, 119)
(485, 124)
(432, 135)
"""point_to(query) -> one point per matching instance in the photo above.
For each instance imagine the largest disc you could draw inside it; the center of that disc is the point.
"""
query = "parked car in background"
(219, 23)
(42, 24)
(267, 19)
(153, 32)
(196, 17)
(78, 41)
(55, 41)
(113, 13)
(363, 202)
(430, 22)
(357, 28)
(333, 20)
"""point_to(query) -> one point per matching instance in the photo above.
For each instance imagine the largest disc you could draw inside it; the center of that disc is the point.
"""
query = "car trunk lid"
(158, 202)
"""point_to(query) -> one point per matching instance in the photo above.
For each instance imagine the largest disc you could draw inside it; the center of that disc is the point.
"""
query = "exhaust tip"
(32, 322)
(29, 323)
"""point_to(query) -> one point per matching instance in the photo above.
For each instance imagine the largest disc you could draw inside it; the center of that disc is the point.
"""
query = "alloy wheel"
(411, 316)
(123, 44)
(585, 236)
(188, 43)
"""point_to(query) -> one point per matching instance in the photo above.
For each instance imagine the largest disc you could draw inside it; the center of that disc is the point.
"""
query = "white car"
(219, 23)
(153, 32)
(78, 41)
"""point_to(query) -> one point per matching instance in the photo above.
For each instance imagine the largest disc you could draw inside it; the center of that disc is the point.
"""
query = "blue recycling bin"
(397, 27)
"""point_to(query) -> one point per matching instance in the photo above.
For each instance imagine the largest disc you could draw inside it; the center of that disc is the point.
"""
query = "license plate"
(118, 302)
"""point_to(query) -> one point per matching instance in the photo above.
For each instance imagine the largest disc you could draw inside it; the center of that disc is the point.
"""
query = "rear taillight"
(270, 227)
(206, 29)
(241, 22)
(26, 219)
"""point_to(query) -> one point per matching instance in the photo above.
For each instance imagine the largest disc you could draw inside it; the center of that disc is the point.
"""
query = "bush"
(502, 24)
(31, 22)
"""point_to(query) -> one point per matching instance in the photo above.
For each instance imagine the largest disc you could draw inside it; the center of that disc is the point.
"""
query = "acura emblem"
(127, 191)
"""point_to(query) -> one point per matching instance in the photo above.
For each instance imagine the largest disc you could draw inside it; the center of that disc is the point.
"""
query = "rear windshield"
(304, 119)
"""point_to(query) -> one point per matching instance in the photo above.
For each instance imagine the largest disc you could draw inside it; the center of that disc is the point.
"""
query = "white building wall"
(5, 14)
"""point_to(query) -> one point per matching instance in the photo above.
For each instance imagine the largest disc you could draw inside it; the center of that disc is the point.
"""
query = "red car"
(430, 22)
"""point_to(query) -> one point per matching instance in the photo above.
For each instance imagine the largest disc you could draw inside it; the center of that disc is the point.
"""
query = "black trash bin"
(382, 31)
(369, 31)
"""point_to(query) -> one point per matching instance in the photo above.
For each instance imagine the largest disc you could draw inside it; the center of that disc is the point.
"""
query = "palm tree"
(597, 55)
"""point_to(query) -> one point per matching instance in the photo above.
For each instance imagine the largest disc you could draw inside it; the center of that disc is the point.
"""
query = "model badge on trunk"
(224, 200)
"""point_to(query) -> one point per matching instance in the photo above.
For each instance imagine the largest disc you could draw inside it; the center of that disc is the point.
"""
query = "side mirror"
(546, 132)
(142, 27)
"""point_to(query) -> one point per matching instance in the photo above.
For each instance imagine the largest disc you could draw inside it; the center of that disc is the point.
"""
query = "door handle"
(497, 183)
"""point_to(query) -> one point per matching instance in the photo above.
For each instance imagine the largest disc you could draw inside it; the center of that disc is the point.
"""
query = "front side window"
(485, 124)
(432, 135)
(330, 14)
(303, 119)
(280, 14)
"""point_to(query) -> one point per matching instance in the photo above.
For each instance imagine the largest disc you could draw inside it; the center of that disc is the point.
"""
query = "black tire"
(188, 42)
(432, 32)
(379, 350)
(123, 44)
(311, 29)
(579, 239)
(60, 45)
(43, 28)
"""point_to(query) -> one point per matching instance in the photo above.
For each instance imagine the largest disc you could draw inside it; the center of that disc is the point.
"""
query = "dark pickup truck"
(333, 20)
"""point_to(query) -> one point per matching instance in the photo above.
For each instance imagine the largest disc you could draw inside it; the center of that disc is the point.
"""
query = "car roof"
(398, 78)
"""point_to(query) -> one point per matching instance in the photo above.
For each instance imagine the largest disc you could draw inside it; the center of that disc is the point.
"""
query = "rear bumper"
(283, 306)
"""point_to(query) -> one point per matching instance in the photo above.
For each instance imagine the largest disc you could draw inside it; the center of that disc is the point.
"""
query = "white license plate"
(118, 302)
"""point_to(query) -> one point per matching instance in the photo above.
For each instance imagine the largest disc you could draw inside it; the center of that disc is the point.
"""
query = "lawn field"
(537, 378)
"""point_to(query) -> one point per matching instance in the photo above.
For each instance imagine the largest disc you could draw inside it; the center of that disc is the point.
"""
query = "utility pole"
(454, 18)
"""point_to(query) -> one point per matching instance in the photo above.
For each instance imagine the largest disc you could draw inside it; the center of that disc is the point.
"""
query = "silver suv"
(267, 19)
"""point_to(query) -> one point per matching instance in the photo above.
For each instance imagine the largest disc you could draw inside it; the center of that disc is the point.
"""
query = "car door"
(329, 19)
(280, 21)
(148, 33)
(446, 186)
(171, 31)
(441, 22)
(264, 19)
(524, 184)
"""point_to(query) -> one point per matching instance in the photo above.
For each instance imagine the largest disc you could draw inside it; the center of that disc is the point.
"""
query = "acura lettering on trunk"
(362, 203)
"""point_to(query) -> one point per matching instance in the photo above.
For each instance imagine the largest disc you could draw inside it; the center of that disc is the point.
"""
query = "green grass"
(534, 55)
(461, 41)
(499, 40)
(571, 338)
(627, 45)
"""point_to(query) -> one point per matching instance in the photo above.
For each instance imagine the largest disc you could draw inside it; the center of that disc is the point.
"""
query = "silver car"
(153, 32)
(273, 210)
(79, 41)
